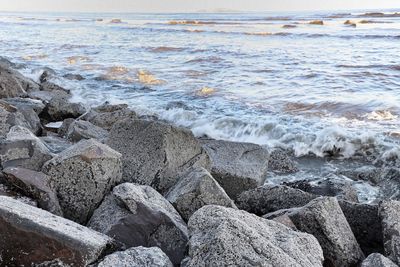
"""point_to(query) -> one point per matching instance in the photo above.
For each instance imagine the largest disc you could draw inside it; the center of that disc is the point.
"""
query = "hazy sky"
(190, 5)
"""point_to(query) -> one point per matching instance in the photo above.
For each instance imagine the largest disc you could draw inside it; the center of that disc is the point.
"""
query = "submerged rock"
(80, 129)
(82, 175)
(137, 215)
(197, 188)
(221, 236)
(154, 153)
(390, 214)
(237, 166)
(32, 236)
(377, 260)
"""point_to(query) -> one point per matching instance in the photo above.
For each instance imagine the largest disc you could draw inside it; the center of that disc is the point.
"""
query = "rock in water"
(155, 153)
(377, 260)
(82, 175)
(137, 257)
(324, 219)
(13, 84)
(31, 236)
(197, 188)
(137, 215)
(221, 236)
(390, 214)
(237, 166)
(80, 129)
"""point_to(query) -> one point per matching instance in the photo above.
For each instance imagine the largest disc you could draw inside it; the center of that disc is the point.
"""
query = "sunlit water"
(243, 77)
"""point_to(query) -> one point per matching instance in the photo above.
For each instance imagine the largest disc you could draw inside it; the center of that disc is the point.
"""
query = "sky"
(190, 5)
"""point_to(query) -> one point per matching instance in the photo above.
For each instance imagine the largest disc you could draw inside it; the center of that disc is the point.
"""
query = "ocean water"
(267, 78)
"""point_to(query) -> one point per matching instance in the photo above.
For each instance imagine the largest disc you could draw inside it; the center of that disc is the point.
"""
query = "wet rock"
(324, 219)
(280, 162)
(47, 74)
(82, 175)
(13, 84)
(237, 166)
(35, 185)
(350, 23)
(268, 198)
(32, 236)
(5, 63)
(366, 225)
(60, 108)
(389, 184)
(36, 105)
(316, 22)
(221, 236)
(9, 117)
(155, 153)
(54, 88)
(8, 191)
(32, 119)
(55, 144)
(137, 215)
(137, 257)
(390, 214)
(81, 129)
(197, 188)
(21, 148)
(72, 76)
(377, 260)
(289, 26)
(63, 129)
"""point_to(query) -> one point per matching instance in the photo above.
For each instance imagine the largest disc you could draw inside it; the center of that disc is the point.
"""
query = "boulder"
(82, 175)
(21, 148)
(80, 129)
(237, 166)
(390, 214)
(32, 236)
(155, 153)
(137, 215)
(54, 88)
(366, 225)
(280, 162)
(63, 129)
(10, 116)
(324, 219)
(72, 76)
(55, 144)
(221, 236)
(269, 198)
(377, 260)
(13, 84)
(18, 102)
(137, 257)
(197, 188)
(35, 185)
(60, 108)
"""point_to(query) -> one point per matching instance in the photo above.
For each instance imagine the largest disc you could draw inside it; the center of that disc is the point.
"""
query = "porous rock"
(80, 129)
(377, 260)
(390, 214)
(13, 84)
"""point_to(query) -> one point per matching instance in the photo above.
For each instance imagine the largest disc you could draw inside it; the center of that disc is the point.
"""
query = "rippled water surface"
(267, 78)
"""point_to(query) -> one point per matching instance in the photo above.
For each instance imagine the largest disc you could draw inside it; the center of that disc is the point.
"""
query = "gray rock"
(8, 191)
(80, 129)
(55, 144)
(32, 118)
(377, 260)
(52, 263)
(324, 219)
(32, 236)
(197, 188)
(389, 184)
(137, 215)
(10, 116)
(36, 105)
(269, 198)
(390, 214)
(13, 84)
(366, 225)
(280, 162)
(35, 185)
(82, 175)
(155, 153)
(137, 257)
(221, 236)
(60, 108)
(21, 148)
(72, 76)
(54, 88)
(237, 166)
(47, 75)
(63, 129)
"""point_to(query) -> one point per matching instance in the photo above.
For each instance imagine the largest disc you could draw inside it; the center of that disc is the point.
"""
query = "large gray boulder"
(155, 153)
(390, 214)
(32, 236)
(35, 185)
(137, 215)
(10, 116)
(197, 188)
(60, 107)
(137, 257)
(377, 260)
(80, 129)
(221, 236)
(13, 84)
(22, 148)
(324, 219)
(270, 198)
(82, 175)
(237, 166)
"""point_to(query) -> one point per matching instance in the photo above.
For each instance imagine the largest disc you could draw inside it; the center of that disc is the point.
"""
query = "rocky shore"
(103, 186)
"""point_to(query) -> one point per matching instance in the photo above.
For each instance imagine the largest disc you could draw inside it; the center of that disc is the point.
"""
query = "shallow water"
(318, 89)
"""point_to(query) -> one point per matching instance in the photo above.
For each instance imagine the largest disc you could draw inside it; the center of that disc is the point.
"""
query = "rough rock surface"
(35, 185)
(280, 162)
(32, 236)
(13, 84)
(82, 175)
(137, 257)
(390, 214)
(197, 188)
(36, 105)
(377, 260)
(60, 108)
(55, 144)
(137, 215)
(154, 153)
(324, 219)
(221, 236)
(237, 166)
(269, 198)
(10, 116)
(81, 129)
